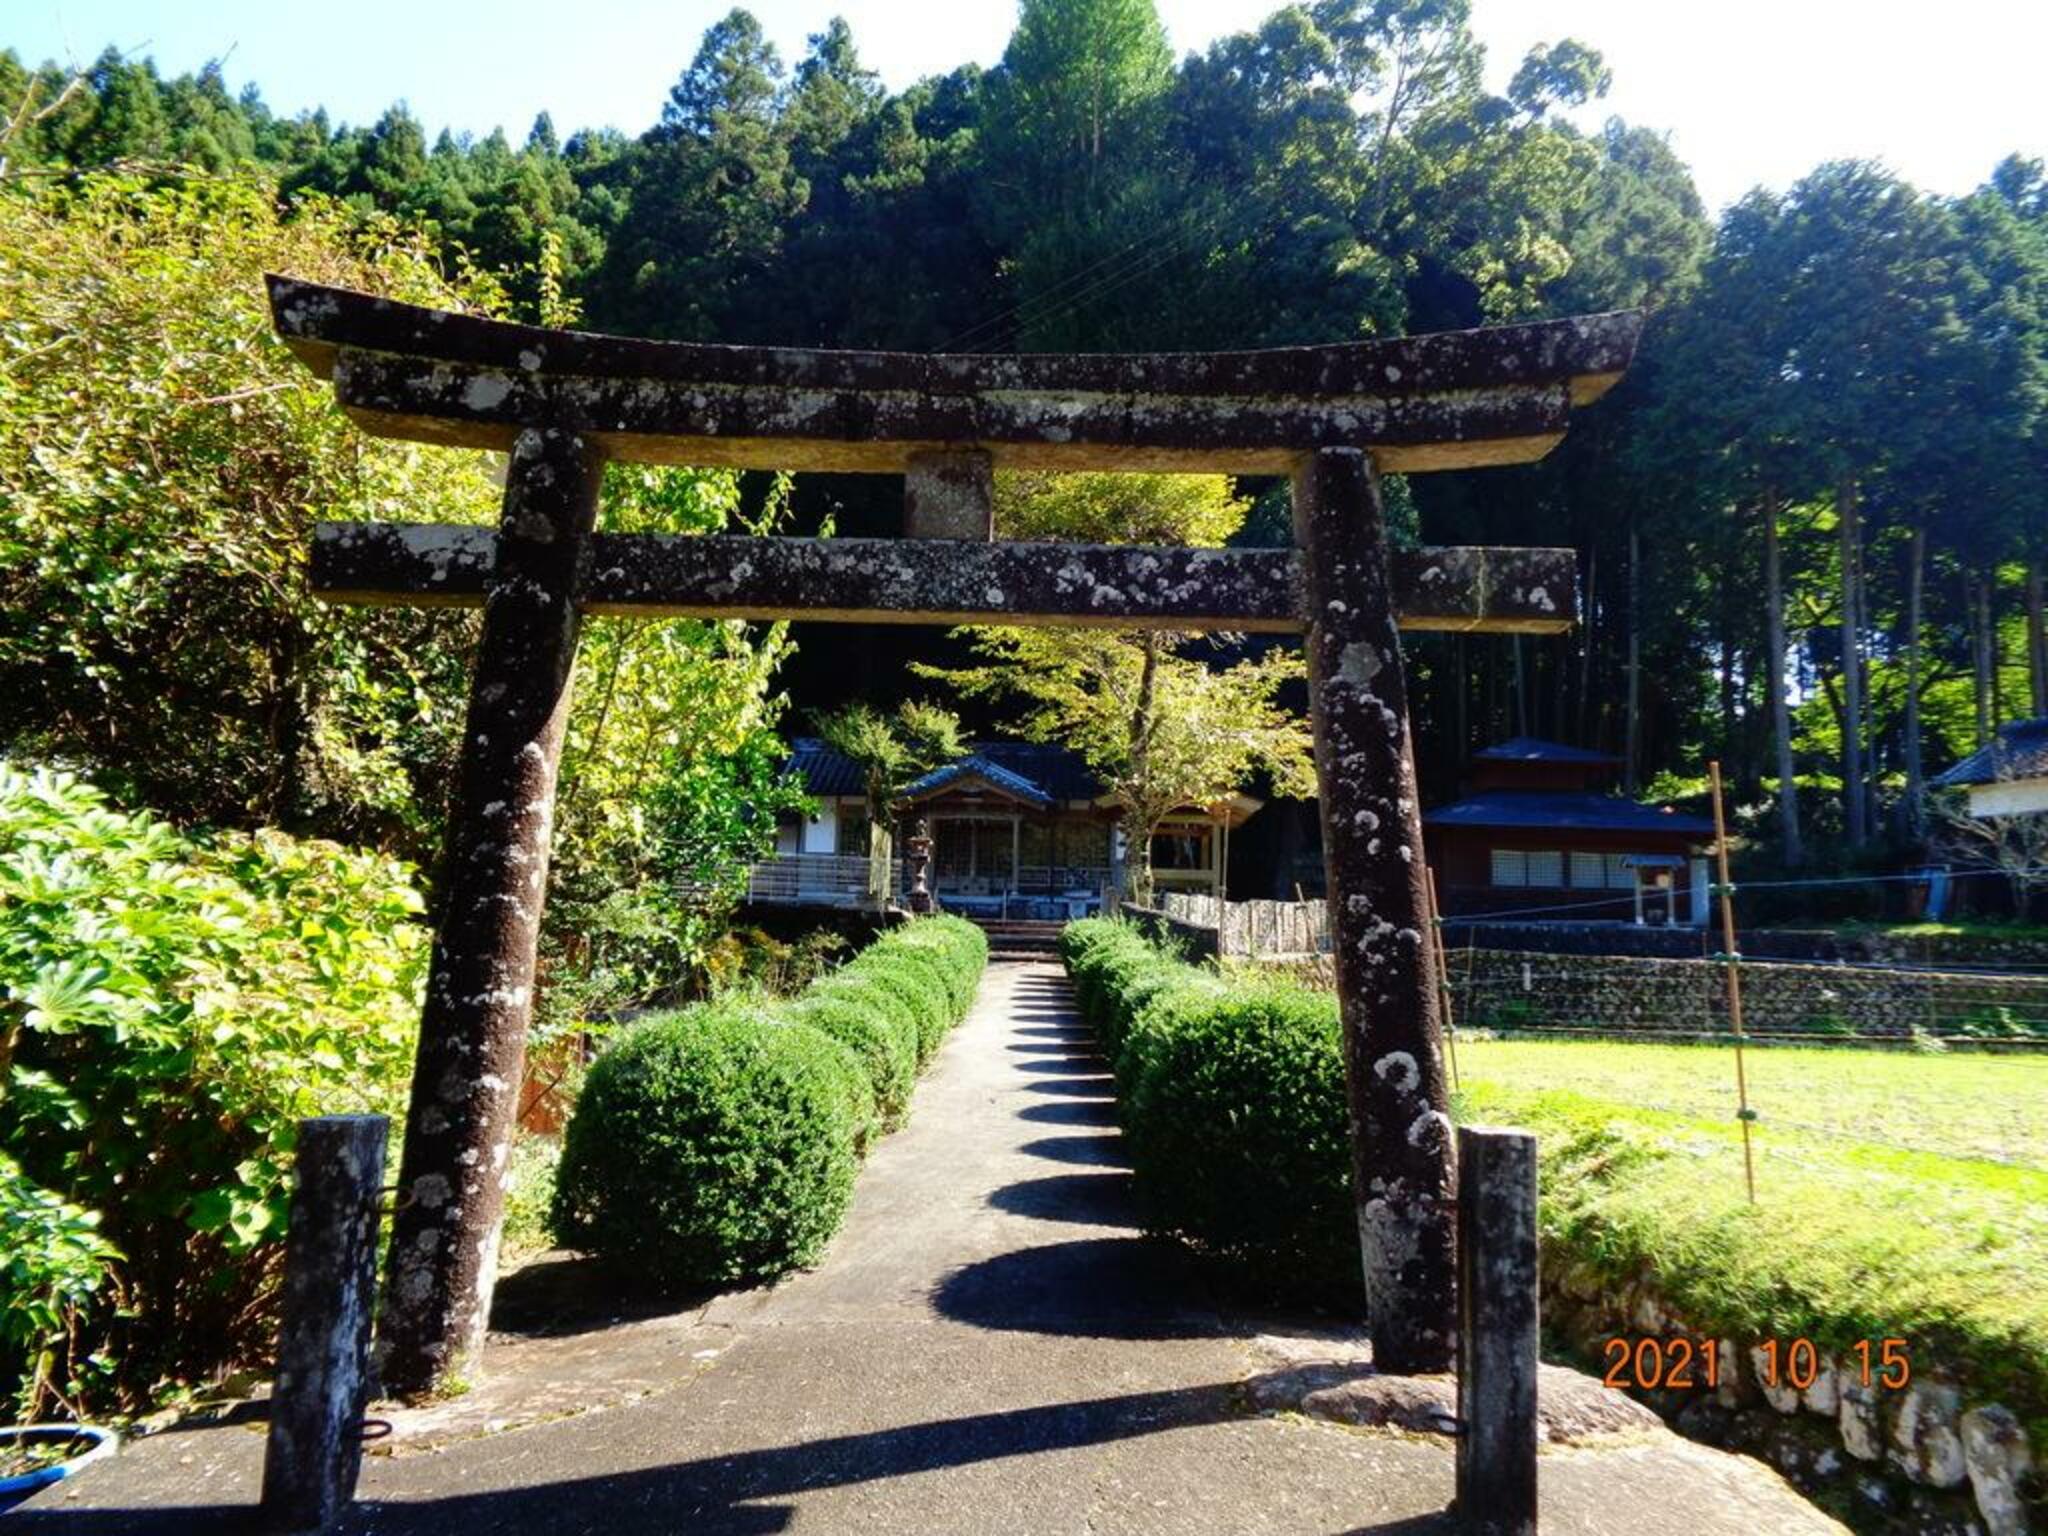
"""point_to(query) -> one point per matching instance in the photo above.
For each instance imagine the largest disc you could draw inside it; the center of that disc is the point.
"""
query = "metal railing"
(841, 880)
(816, 879)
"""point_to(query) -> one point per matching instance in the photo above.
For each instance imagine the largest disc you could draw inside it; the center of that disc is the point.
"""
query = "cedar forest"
(1839, 406)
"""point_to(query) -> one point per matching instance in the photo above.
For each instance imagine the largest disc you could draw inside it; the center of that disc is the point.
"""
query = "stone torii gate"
(561, 403)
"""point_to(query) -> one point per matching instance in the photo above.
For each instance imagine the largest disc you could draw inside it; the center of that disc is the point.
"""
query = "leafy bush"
(529, 1192)
(717, 1145)
(882, 1005)
(712, 1146)
(1232, 1102)
(1117, 972)
(171, 1006)
(54, 1266)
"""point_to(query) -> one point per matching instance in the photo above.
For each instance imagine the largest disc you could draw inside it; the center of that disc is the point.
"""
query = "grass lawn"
(1899, 1195)
(1960, 1105)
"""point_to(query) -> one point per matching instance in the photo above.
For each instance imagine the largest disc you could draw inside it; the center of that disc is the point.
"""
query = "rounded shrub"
(915, 986)
(712, 1146)
(884, 1044)
(959, 947)
(1234, 1115)
(887, 1006)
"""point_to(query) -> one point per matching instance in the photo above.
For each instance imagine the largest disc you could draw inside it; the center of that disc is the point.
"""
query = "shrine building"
(1541, 834)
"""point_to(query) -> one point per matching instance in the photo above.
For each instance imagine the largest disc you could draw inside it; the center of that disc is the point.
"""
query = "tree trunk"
(1137, 859)
(1916, 576)
(1461, 716)
(1726, 683)
(1560, 686)
(2037, 638)
(1781, 702)
(1521, 688)
(1633, 739)
(1138, 850)
(881, 854)
(1980, 651)
(1854, 803)
(1588, 633)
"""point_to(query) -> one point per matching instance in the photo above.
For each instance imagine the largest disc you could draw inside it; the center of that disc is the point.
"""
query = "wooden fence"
(1254, 928)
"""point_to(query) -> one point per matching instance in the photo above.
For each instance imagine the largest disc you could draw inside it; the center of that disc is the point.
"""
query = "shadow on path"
(732, 1495)
(1089, 1199)
(1104, 1151)
(1100, 1112)
(1091, 1288)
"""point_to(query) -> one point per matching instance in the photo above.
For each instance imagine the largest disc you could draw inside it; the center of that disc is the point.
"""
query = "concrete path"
(990, 1345)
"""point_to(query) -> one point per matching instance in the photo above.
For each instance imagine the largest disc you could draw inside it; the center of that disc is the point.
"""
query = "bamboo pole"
(1441, 964)
(1731, 966)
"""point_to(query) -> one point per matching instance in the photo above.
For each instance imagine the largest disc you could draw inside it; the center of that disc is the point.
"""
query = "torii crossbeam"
(561, 403)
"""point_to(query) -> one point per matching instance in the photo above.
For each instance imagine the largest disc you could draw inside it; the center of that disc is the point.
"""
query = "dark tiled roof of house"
(1046, 773)
(1528, 749)
(2018, 751)
(1564, 811)
(822, 770)
(1059, 771)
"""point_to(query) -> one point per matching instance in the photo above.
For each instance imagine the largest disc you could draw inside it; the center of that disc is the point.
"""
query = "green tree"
(713, 189)
(1163, 730)
(155, 626)
(892, 752)
(1070, 161)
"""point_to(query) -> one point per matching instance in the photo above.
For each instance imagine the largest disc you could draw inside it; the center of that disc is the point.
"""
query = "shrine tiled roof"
(975, 766)
(1529, 749)
(2018, 751)
(1038, 772)
(1565, 811)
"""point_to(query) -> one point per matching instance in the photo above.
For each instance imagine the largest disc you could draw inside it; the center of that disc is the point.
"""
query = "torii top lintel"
(1451, 400)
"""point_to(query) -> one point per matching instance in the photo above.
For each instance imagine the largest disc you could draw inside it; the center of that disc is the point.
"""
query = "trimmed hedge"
(710, 1146)
(1231, 1098)
(718, 1144)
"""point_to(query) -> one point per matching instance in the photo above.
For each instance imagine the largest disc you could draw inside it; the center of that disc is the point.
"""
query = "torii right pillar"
(1404, 1172)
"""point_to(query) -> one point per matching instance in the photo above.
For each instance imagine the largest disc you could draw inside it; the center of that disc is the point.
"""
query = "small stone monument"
(920, 849)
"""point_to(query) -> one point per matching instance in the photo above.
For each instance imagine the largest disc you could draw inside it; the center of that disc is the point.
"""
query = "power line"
(1148, 251)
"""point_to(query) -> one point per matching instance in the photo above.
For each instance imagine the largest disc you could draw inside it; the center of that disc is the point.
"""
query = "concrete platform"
(990, 1346)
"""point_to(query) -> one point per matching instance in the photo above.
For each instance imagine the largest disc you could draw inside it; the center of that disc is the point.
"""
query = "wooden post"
(315, 1446)
(458, 1130)
(1497, 1315)
(1402, 1155)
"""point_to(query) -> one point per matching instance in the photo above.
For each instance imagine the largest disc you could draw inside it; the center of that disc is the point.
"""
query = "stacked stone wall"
(1627, 995)
(2019, 951)
(1935, 1457)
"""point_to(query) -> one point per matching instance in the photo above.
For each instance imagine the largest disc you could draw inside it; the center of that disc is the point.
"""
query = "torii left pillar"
(465, 1085)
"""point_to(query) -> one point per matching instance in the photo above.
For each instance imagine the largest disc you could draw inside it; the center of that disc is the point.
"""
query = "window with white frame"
(1516, 866)
(1589, 871)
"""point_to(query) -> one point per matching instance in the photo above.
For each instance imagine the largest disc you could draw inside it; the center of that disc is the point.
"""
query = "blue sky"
(1751, 91)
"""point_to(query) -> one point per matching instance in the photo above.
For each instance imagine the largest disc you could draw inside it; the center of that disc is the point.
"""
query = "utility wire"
(1131, 261)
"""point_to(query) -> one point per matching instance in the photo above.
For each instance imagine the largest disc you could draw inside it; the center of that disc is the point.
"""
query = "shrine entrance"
(562, 403)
